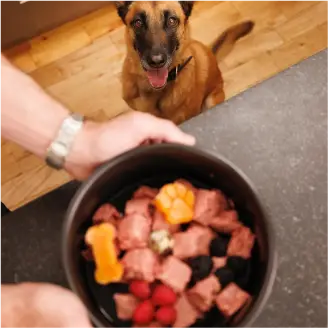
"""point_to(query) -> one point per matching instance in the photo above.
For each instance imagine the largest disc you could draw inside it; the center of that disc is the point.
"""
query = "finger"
(167, 131)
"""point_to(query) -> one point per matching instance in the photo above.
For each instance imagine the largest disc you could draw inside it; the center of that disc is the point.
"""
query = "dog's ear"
(187, 7)
(122, 8)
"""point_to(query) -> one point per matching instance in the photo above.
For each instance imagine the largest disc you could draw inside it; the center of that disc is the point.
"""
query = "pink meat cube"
(231, 299)
(241, 243)
(145, 192)
(226, 222)
(141, 264)
(203, 294)
(174, 273)
(159, 223)
(193, 242)
(106, 213)
(208, 203)
(133, 231)
(125, 305)
(140, 206)
(218, 262)
(186, 313)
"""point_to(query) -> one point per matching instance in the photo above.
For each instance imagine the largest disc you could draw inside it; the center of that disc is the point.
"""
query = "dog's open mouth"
(158, 77)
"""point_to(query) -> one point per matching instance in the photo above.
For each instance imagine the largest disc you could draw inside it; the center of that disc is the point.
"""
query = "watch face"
(58, 149)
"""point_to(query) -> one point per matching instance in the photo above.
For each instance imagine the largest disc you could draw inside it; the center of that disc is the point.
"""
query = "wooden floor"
(80, 64)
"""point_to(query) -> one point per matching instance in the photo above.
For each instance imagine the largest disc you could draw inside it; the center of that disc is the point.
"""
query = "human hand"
(99, 142)
(41, 305)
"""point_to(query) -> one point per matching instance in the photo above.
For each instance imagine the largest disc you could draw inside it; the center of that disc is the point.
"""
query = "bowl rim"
(270, 274)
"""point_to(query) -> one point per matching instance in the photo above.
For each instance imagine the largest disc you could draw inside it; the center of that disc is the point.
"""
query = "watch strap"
(60, 147)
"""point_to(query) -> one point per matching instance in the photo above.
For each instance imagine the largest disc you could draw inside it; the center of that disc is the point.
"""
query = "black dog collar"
(173, 73)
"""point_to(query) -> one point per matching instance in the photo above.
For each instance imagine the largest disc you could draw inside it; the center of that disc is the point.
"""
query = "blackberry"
(225, 276)
(201, 267)
(218, 246)
(237, 263)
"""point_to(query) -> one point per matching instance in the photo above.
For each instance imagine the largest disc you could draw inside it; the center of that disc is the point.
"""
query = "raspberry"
(166, 315)
(140, 289)
(144, 313)
(163, 295)
(218, 246)
(201, 267)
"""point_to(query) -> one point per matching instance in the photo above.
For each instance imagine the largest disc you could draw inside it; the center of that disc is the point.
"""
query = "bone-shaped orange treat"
(101, 239)
(176, 202)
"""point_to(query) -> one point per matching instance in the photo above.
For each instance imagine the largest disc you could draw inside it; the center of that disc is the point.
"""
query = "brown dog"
(166, 72)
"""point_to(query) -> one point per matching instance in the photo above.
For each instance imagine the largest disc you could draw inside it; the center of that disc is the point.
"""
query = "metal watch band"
(60, 147)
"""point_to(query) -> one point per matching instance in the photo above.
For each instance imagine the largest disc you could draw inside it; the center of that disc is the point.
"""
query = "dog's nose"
(157, 60)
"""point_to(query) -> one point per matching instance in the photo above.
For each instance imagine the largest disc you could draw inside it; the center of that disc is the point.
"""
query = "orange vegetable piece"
(102, 240)
(176, 202)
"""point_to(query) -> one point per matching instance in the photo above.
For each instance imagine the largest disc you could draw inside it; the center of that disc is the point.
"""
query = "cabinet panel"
(22, 20)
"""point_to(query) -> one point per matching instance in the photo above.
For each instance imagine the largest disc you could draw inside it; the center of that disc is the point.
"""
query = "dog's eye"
(172, 22)
(138, 23)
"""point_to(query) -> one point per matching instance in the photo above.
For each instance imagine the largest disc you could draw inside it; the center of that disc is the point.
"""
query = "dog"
(166, 72)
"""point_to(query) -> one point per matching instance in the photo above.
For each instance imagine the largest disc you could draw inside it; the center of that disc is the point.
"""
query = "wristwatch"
(61, 145)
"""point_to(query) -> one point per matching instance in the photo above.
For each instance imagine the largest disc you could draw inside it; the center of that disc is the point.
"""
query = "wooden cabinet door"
(22, 20)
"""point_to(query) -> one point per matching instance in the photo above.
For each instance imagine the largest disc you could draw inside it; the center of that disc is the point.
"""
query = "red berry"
(166, 315)
(163, 295)
(144, 313)
(140, 289)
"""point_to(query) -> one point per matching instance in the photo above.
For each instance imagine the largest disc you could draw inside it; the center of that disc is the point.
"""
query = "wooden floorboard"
(80, 62)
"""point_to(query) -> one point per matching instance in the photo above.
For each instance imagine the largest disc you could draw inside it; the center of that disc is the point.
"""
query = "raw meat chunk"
(133, 231)
(241, 243)
(159, 223)
(202, 295)
(209, 203)
(231, 299)
(145, 192)
(106, 213)
(186, 313)
(125, 305)
(219, 262)
(226, 222)
(140, 206)
(193, 242)
(140, 264)
(174, 273)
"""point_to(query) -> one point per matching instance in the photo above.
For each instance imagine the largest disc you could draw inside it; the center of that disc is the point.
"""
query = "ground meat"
(145, 192)
(187, 314)
(241, 243)
(125, 305)
(202, 295)
(193, 242)
(226, 222)
(209, 203)
(141, 264)
(133, 232)
(106, 213)
(231, 299)
(159, 223)
(219, 262)
(174, 273)
(140, 206)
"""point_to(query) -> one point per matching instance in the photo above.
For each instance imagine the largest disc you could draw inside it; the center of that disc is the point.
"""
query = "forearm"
(29, 117)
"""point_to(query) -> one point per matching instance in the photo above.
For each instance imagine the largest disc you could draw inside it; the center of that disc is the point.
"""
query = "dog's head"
(156, 30)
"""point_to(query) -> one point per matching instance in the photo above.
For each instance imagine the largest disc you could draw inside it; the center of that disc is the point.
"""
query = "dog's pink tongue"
(157, 77)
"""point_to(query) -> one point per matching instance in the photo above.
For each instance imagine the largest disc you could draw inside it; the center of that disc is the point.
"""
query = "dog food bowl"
(156, 165)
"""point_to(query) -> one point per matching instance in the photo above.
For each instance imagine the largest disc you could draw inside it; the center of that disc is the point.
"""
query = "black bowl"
(156, 165)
